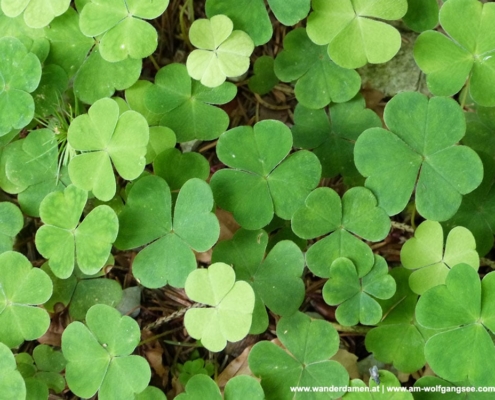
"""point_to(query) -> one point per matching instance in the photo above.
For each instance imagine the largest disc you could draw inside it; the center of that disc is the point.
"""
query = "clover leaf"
(352, 31)
(98, 78)
(186, 104)
(37, 13)
(247, 15)
(275, 279)
(480, 126)
(147, 219)
(463, 307)
(476, 212)
(105, 137)
(264, 78)
(135, 97)
(309, 344)
(98, 356)
(20, 74)
(398, 340)
(222, 52)
(11, 223)
(41, 372)
(68, 46)
(387, 379)
(421, 15)
(232, 303)
(324, 212)
(65, 241)
(354, 295)
(80, 292)
(11, 382)
(32, 160)
(289, 12)
(201, 387)
(259, 162)
(465, 54)
(177, 168)
(22, 288)
(332, 133)
(425, 254)
(122, 26)
(421, 140)
(319, 80)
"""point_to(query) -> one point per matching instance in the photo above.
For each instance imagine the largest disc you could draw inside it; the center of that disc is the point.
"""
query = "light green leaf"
(98, 78)
(103, 135)
(425, 254)
(383, 391)
(12, 384)
(124, 33)
(353, 37)
(98, 356)
(37, 13)
(22, 288)
(11, 223)
(68, 46)
(276, 279)
(20, 74)
(232, 303)
(65, 241)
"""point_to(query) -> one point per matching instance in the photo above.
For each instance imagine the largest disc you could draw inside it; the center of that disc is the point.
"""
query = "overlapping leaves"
(98, 356)
(65, 242)
(147, 220)
(463, 308)
(332, 133)
(20, 74)
(37, 13)
(324, 212)
(11, 222)
(104, 137)
(398, 339)
(257, 157)
(186, 104)
(122, 26)
(319, 80)
(276, 279)
(353, 30)
(425, 254)
(22, 288)
(355, 296)
(465, 54)
(310, 343)
(232, 303)
(421, 140)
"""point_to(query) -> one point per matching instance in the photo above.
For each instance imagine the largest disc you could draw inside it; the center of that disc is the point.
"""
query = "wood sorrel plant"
(201, 180)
